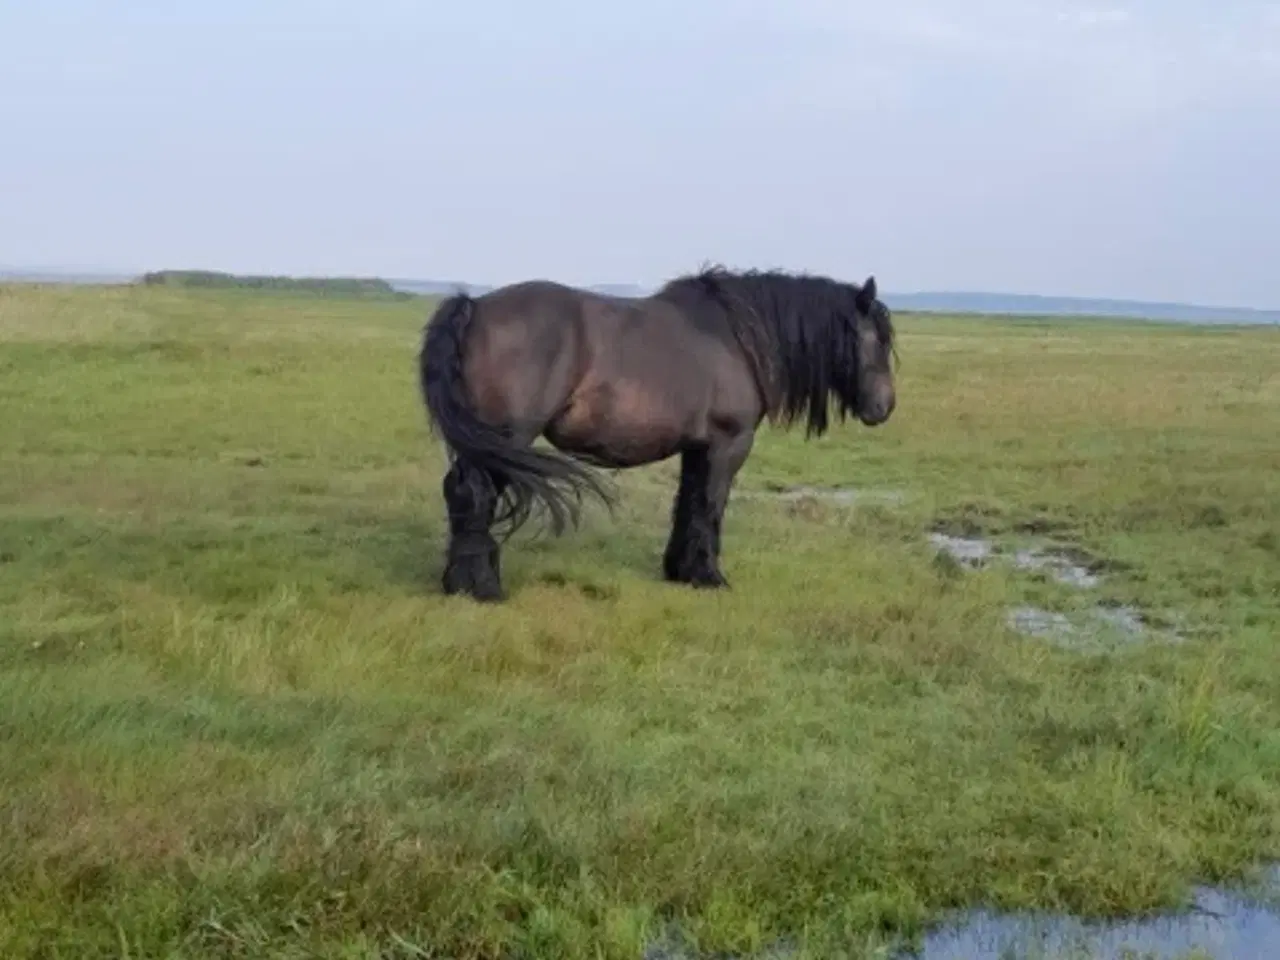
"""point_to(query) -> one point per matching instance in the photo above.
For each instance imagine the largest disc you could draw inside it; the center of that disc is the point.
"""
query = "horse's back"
(558, 316)
(526, 299)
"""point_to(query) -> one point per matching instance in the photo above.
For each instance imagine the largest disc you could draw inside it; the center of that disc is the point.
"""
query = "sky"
(1028, 146)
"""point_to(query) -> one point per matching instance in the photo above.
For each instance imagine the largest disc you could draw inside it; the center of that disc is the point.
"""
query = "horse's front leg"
(706, 476)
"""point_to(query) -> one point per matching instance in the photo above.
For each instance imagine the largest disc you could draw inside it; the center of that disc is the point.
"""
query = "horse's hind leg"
(688, 557)
(473, 563)
(706, 476)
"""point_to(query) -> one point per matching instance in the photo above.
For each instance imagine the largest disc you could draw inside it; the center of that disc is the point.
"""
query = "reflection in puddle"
(1220, 925)
(1061, 568)
(969, 551)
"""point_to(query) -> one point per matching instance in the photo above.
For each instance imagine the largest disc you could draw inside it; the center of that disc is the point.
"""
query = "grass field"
(237, 719)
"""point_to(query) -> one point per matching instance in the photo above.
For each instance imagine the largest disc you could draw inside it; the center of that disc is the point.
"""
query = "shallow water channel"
(1220, 924)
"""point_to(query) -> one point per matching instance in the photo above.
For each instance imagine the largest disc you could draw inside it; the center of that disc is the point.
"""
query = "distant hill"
(923, 302)
(323, 286)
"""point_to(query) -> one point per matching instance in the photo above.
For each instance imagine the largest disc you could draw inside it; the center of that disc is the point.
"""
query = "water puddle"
(1220, 925)
(1098, 628)
(972, 552)
(1042, 624)
(976, 552)
(844, 496)
(1123, 618)
(1059, 566)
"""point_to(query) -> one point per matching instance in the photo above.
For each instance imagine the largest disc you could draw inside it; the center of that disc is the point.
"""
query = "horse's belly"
(620, 425)
(616, 445)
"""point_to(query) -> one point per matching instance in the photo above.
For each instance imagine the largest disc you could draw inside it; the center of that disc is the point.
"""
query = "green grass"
(238, 719)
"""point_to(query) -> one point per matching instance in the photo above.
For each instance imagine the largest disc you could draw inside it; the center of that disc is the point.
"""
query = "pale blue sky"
(1116, 149)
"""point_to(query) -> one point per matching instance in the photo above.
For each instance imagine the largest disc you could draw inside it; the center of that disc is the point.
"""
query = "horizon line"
(71, 274)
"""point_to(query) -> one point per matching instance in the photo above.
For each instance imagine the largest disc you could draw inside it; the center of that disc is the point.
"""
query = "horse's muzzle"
(877, 410)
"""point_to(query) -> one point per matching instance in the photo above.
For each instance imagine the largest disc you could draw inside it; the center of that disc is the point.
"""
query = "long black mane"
(798, 331)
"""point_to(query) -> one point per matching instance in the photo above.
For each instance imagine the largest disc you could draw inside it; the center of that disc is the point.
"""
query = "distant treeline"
(326, 286)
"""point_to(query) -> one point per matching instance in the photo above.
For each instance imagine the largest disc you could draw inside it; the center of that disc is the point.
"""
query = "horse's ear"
(867, 295)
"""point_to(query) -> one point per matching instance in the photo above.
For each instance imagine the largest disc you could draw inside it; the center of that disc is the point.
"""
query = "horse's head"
(873, 343)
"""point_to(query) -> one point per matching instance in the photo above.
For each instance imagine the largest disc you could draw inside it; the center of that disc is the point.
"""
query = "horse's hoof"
(480, 586)
(708, 580)
(478, 593)
(717, 582)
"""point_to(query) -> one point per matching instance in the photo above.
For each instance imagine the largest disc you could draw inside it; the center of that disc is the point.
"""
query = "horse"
(616, 382)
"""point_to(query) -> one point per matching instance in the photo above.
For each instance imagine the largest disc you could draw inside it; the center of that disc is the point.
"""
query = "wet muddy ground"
(1219, 924)
(841, 496)
(1104, 625)
(977, 552)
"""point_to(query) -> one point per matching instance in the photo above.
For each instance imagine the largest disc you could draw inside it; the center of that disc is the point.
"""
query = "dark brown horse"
(619, 382)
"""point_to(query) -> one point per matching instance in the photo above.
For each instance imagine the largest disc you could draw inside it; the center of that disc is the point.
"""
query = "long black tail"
(528, 478)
